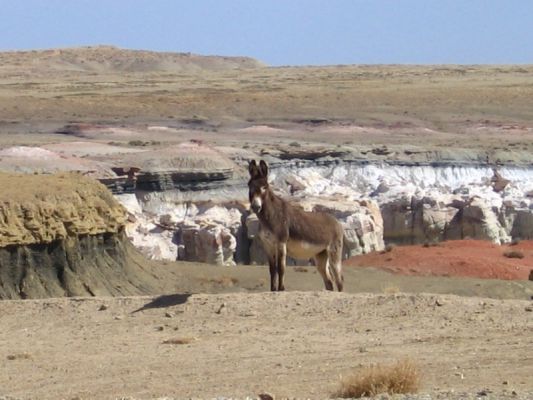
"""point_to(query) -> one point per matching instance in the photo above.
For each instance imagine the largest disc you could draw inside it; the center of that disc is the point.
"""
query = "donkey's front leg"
(282, 261)
(273, 272)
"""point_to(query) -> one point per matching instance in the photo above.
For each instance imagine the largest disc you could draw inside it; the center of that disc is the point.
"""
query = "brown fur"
(288, 230)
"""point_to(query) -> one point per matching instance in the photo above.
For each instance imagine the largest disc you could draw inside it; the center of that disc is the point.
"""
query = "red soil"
(464, 258)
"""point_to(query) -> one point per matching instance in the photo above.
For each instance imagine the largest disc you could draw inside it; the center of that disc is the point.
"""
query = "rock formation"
(188, 201)
(226, 233)
(63, 235)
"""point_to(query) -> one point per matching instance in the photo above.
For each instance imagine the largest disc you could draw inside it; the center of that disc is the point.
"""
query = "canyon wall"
(189, 201)
(377, 203)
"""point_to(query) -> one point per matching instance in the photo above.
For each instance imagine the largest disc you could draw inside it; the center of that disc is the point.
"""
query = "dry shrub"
(19, 356)
(388, 248)
(513, 254)
(401, 377)
(183, 340)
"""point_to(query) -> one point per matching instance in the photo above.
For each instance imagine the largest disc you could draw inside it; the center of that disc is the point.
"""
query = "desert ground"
(217, 331)
(213, 332)
(290, 345)
(438, 105)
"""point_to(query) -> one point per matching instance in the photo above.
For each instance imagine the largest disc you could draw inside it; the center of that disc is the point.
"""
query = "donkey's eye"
(263, 189)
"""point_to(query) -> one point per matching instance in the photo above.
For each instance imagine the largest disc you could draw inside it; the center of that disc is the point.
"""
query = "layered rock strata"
(63, 235)
(377, 204)
(189, 201)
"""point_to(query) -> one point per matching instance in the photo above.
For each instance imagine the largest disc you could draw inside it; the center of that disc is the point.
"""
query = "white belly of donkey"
(303, 250)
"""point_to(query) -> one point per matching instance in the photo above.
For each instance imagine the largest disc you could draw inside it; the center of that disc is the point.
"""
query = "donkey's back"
(314, 228)
(317, 235)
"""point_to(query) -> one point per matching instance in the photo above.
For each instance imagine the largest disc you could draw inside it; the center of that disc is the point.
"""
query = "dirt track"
(288, 344)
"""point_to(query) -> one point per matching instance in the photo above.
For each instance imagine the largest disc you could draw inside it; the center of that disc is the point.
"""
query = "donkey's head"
(257, 185)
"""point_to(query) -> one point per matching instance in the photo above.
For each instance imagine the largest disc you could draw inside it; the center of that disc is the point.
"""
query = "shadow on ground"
(164, 301)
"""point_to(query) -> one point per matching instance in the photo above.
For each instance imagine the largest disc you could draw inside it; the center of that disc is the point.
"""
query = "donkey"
(288, 230)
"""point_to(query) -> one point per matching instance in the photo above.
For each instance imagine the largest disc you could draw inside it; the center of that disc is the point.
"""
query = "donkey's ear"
(252, 168)
(263, 167)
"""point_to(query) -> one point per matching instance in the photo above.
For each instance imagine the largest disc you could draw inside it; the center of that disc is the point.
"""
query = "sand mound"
(461, 258)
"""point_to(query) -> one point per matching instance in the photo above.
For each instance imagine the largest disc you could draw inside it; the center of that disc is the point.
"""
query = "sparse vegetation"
(513, 254)
(143, 143)
(19, 356)
(399, 378)
(388, 248)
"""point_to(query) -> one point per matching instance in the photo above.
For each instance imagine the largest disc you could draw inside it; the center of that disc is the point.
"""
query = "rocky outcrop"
(375, 203)
(227, 233)
(209, 242)
(412, 220)
(78, 265)
(189, 166)
(37, 209)
(477, 220)
(63, 235)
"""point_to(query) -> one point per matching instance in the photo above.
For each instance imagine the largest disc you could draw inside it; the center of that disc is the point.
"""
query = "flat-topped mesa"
(45, 208)
(110, 59)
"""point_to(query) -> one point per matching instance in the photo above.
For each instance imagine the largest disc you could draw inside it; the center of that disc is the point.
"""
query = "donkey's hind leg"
(335, 265)
(321, 260)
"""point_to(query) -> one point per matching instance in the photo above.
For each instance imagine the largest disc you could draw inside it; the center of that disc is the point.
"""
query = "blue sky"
(284, 32)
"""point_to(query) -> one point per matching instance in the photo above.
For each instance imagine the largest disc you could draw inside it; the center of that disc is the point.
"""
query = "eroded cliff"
(63, 235)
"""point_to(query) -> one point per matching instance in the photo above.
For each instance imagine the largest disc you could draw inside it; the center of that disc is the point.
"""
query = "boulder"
(153, 241)
(207, 242)
(498, 182)
(478, 220)
(412, 220)
(518, 222)
(230, 219)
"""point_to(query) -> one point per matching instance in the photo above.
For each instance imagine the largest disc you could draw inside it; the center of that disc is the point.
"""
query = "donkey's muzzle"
(256, 207)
